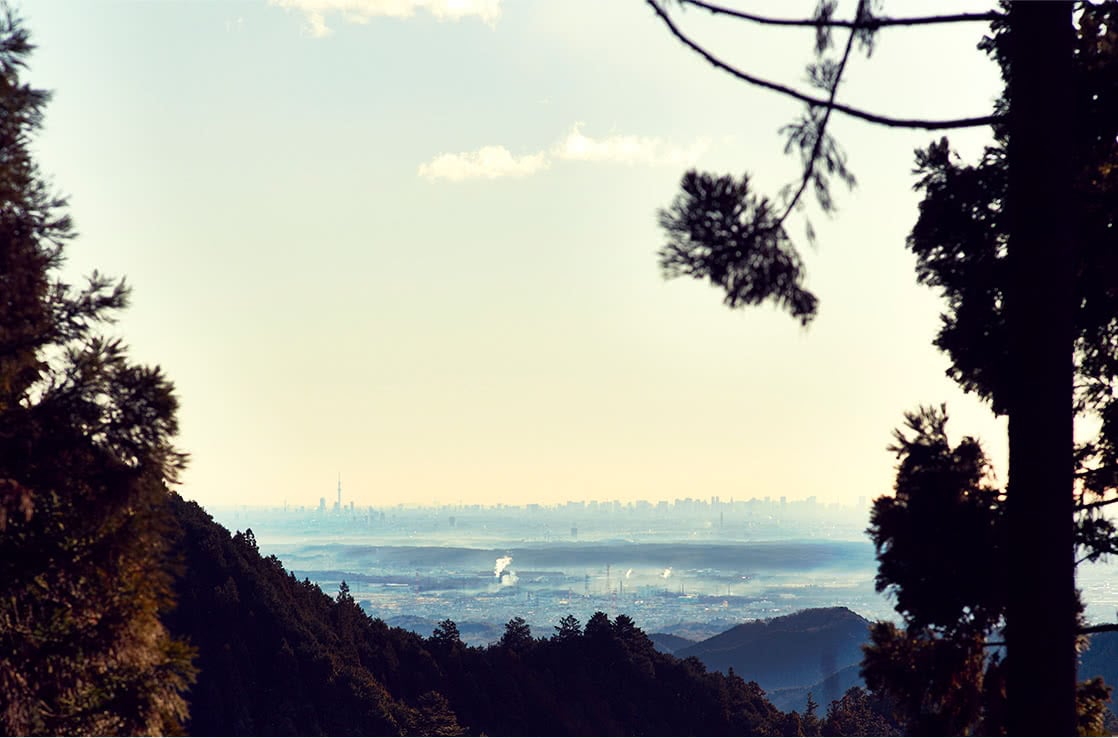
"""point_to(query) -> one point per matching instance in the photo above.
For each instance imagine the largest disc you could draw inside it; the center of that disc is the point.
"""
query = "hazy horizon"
(528, 502)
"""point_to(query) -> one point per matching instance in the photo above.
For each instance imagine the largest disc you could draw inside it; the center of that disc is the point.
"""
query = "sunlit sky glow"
(413, 242)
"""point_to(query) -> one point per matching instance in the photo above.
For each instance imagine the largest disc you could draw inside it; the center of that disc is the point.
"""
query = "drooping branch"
(872, 24)
(931, 125)
(821, 132)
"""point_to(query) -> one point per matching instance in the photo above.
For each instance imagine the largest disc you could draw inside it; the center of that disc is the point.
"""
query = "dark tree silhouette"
(718, 229)
(598, 627)
(1041, 251)
(517, 635)
(940, 539)
(941, 548)
(85, 450)
(446, 634)
(568, 629)
(961, 242)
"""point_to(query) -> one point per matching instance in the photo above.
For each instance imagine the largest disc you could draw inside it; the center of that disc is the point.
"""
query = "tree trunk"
(1041, 613)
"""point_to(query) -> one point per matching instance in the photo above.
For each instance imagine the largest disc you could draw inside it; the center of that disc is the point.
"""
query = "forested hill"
(789, 651)
(276, 656)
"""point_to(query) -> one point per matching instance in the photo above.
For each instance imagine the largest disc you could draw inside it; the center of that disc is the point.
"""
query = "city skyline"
(343, 503)
(417, 242)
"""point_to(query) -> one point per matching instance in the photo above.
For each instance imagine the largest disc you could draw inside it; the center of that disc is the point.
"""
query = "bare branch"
(1104, 628)
(1094, 505)
(930, 125)
(833, 23)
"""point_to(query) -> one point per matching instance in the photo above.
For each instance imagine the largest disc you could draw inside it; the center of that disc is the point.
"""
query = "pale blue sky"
(329, 295)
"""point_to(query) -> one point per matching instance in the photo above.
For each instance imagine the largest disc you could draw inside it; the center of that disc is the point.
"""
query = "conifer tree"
(719, 230)
(85, 452)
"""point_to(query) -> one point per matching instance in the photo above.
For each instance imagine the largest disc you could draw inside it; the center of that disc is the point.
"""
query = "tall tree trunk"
(1041, 613)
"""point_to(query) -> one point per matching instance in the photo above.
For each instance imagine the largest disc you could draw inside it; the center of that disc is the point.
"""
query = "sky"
(413, 243)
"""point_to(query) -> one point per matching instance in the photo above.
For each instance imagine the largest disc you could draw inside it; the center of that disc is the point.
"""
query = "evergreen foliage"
(719, 229)
(942, 540)
(941, 552)
(960, 241)
(277, 656)
(1023, 247)
(85, 450)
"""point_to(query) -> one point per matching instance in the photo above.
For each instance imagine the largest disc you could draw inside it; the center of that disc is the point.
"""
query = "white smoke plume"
(501, 564)
(666, 573)
(628, 573)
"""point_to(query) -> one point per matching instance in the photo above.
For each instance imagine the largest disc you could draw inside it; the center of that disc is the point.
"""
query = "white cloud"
(362, 11)
(488, 162)
(491, 162)
(577, 146)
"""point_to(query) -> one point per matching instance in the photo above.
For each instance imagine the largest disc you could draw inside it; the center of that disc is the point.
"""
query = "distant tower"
(339, 489)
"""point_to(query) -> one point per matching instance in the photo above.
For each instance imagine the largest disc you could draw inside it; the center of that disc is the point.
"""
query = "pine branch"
(821, 132)
(930, 125)
(873, 24)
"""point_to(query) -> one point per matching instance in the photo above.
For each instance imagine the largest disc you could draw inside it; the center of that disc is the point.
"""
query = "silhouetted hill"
(789, 651)
(668, 643)
(277, 656)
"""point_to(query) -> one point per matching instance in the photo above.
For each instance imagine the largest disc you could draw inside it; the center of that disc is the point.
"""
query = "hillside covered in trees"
(277, 656)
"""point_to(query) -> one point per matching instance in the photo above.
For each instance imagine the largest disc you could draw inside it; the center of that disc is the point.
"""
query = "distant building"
(322, 504)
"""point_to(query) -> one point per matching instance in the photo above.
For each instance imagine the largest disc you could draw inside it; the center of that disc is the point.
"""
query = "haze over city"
(469, 367)
(415, 243)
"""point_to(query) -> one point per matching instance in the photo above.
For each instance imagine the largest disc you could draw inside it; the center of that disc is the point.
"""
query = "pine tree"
(721, 231)
(85, 452)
